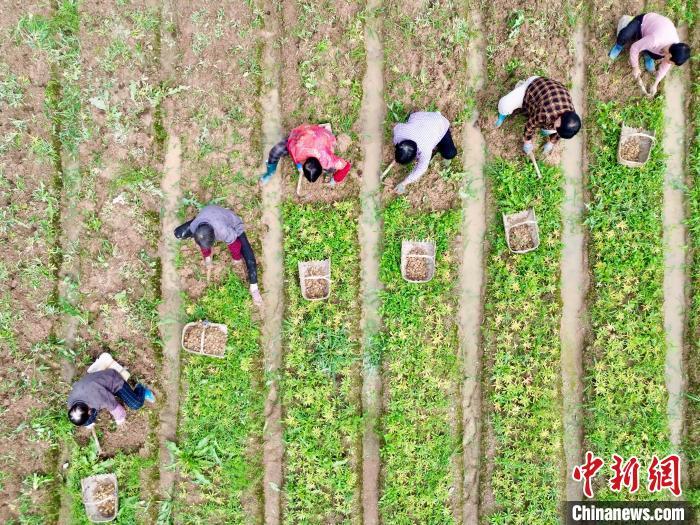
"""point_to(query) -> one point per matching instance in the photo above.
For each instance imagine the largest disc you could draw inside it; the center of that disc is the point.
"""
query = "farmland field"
(388, 402)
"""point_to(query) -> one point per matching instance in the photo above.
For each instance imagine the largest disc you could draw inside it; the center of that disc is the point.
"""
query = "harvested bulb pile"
(214, 340)
(417, 268)
(104, 494)
(520, 238)
(630, 150)
(316, 288)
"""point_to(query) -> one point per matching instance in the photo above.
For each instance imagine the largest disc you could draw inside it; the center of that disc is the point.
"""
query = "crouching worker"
(656, 38)
(311, 148)
(219, 224)
(547, 105)
(104, 390)
(418, 139)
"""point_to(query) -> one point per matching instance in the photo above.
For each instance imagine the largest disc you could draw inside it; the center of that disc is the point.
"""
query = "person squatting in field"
(547, 105)
(425, 133)
(103, 390)
(311, 148)
(656, 38)
(214, 223)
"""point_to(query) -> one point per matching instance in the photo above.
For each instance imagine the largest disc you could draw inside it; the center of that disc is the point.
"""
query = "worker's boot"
(615, 51)
(649, 63)
(500, 120)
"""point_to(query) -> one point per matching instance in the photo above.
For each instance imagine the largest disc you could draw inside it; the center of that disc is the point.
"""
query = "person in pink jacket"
(654, 37)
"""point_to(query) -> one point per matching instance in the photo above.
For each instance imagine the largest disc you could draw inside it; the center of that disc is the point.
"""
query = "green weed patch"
(421, 371)
(625, 387)
(322, 358)
(221, 416)
(521, 349)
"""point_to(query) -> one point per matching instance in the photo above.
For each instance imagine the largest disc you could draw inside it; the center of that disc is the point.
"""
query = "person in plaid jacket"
(547, 105)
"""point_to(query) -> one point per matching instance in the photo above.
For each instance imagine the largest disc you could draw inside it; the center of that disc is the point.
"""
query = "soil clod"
(417, 268)
(520, 238)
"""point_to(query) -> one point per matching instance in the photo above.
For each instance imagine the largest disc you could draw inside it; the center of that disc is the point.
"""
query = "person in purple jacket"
(654, 37)
(104, 390)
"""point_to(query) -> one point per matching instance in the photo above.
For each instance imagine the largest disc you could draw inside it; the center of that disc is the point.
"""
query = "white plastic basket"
(646, 143)
(527, 217)
(428, 247)
(207, 326)
(91, 505)
(325, 275)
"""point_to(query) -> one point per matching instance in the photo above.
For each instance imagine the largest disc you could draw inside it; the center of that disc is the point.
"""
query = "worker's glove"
(90, 426)
(652, 91)
(547, 132)
(500, 120)
(649, 64)
(615, 51)
(547, 148)
(527, 147)
(255, 294)
(400, 188)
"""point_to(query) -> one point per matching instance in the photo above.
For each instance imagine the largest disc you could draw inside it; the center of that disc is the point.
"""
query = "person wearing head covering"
(418, 139)
(104, 390)
(547, 105)
(654, 37)
(311, 148)
(214, 223)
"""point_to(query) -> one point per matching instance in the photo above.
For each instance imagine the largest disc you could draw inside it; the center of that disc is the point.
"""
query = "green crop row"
(421, 371)
(322, 359)
(521, 349)
(625, 386)
(692, 445)
(221, 416)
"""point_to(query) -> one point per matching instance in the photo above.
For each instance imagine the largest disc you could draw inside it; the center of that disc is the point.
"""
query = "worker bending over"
(311, 148)
(214, 223)
(104, 390)
(418, 139)
(547, 105)
(656, 38)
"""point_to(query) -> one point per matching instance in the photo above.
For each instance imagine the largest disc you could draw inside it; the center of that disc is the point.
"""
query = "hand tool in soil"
(97, 441)
(387, 170)
(299, 182)
(534, 163)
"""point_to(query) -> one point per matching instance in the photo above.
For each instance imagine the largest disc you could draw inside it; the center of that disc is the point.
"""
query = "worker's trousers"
(514, 100)
(629, 30)
(133, 398)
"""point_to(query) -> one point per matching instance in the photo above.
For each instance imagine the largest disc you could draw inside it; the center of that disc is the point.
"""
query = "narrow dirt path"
(471, 278)
(170, 324)
(373, 110)
(675, 240)
(273, 276)
(574, 278)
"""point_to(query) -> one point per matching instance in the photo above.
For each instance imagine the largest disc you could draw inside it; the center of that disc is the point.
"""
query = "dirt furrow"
(273, 278)
(675, 241)
(372, 112)
(472, 283)
(170, 325)
(574, 277)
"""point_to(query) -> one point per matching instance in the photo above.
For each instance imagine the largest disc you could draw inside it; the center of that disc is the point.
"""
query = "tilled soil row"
(29, 198)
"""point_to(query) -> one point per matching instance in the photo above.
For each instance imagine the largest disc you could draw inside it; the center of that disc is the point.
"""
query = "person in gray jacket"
(214, 223)
(104, 390)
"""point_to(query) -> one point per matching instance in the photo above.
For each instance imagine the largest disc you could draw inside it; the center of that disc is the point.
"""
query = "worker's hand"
(652, 91)
(637, 74)
(208, 265)
(547, 148)
(255, 294)
(90, 426)
(400, 188)
(528, 147)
